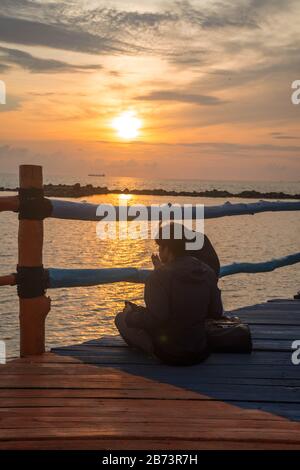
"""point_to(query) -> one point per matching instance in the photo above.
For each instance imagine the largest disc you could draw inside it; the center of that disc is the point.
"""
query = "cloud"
(228, 147)
(260, 25)
(208, 160)
(71, 158)
(8, 153)
(129, 20)
(38, 65)
(59, 36)
(78, 27)
(282, 136)
(125, 167)
(188, 58)
(217, 15)
(4, 68)
(180, 97)
(221, 14)
(12, 156)
(13, 103)
(220, 148)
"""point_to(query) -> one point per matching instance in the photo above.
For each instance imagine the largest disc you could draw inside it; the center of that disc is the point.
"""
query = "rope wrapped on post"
(31, 282)
(87, 211)
(91, 277)
(33, 205)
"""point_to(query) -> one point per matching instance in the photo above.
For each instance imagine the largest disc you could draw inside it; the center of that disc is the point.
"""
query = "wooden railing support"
(33, 311)
(9, 280)
(9, 203)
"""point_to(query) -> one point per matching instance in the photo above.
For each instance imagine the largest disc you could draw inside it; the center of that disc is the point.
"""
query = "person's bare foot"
(228, 319)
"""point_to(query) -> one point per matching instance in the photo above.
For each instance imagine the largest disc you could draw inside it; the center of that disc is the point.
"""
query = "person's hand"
(156, 261)
(127, 308)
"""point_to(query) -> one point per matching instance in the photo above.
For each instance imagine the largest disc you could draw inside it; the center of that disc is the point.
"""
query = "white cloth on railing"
(87, 211)
(91, 277)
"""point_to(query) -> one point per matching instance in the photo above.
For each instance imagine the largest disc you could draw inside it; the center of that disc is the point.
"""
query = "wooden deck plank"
(116, 408)
(108, 406)
(139, 444)
(141, 424)
(163, 431)
(263, 358)
(259, 344)
(272, 344)
(217, 359)
(290, 305)
(234, 376)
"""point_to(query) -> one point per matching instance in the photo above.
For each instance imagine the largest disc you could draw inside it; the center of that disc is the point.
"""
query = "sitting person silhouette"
(180, 295)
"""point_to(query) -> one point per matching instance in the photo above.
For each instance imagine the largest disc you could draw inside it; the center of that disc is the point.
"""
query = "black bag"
(228, 337)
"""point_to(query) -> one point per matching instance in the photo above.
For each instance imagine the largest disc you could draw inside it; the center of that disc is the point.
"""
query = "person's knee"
(118, 320)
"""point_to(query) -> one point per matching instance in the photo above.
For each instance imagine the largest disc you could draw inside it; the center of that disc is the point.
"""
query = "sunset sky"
(209, 82)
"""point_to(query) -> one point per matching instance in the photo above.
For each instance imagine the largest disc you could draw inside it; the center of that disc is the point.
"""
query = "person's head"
(171, 241)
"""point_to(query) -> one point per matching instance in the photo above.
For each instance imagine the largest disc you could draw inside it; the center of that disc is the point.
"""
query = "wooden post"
(33, 312)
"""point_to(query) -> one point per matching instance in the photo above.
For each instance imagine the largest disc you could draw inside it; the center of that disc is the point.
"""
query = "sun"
(128, 125)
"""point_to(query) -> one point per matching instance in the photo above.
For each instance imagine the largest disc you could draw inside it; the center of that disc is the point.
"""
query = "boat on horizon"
(97, 174)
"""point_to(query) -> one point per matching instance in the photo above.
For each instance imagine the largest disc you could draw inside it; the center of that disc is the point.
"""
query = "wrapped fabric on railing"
(262, 267)
(33, 205)
(31, 281)
(91, 277)
(87, 211)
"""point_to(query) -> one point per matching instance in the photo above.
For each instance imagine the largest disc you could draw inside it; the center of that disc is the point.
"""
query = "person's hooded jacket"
(179, 297)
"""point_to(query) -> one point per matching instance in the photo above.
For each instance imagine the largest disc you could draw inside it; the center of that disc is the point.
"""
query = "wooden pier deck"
(101, 395)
